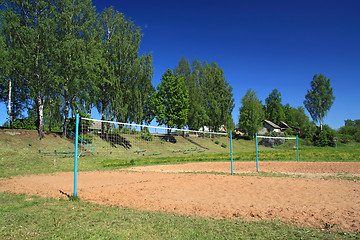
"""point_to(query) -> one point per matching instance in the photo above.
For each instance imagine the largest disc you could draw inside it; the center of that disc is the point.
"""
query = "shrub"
(290, 132)
(24, 124)
(245, 137)
(324, 137)
(125, 130)
(217, 141)
(357, 136)
(133, 131)
(147, 137)
(345, 138)
(223, 145)
(350, 133)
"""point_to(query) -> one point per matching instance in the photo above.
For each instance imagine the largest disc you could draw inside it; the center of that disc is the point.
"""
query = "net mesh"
(124, 140)
(278, 148)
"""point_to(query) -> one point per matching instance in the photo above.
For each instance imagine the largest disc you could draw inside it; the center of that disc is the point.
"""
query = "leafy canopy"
(251, 113)
(171, 101)
(319, 99)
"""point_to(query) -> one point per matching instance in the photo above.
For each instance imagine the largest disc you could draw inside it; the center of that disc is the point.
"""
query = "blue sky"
(261, 45)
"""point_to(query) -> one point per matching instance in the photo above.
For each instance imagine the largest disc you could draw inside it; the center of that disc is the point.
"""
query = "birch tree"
(319, 99)
(29, 29)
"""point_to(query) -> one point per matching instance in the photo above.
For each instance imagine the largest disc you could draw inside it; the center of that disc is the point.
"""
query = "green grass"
(43, 218)
(19, 153)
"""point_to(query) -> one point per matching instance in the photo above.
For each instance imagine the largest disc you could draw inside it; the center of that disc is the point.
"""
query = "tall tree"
(319, 99)
(29, 31)
(171, 101)
(197, 116)
(142, 88)
(274, 110)
(5, 84)
(251, 113)
(196, 113)
(211, 99)
(124, 83)
(183, 69)
(75, 23)
(218, 96)
(296, 117)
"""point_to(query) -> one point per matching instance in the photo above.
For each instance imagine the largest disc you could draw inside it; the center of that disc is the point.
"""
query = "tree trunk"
(102, 123)
(50, 114)
(321, 123)
(40, 124)
(66, 117)
(9, 106)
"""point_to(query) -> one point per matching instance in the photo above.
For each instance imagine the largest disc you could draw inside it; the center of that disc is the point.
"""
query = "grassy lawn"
(41, 218)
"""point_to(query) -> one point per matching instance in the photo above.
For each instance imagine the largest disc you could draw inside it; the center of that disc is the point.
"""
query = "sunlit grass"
(24, 217)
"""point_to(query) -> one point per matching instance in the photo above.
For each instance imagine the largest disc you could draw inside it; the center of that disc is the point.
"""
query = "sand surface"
(307, 201)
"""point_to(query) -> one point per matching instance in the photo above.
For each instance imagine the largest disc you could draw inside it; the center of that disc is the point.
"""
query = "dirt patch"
(301, 168)
(309, 202)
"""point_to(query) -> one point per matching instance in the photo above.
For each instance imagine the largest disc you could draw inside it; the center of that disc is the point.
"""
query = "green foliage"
(319, 99)
(210, 96)
(351, 123)
(134, 131)
(171, 101)
(146, 135)
(217, 141)
(71, 124)
(350, 132)
(274, 110)
(218, 99)
(297, 118)
(123, 130)
(223, 145)
(123, 78)
(251, 113)
(62, 51)
(290, 132)
(324, 137)
(31, 50)
(24, 124)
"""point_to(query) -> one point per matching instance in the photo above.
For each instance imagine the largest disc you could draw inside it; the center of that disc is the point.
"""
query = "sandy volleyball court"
(309, 201)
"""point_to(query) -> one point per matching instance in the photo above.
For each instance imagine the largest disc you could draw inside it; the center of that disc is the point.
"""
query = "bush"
(345, 138)
(217, 141)
(146, 135)
(71, 124)
(24, 124)
(324, 137)
(133, 131)
(125, 130)
(223, 145)
(245, 137)
(349, 133)
(357, 136)
(290, 132)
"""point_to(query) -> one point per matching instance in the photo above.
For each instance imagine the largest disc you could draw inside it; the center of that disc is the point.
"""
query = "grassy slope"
(19, 153)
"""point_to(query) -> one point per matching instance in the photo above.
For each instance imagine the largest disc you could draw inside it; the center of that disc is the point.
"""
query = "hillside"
(19, 151)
